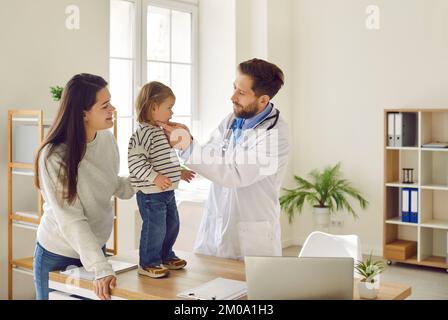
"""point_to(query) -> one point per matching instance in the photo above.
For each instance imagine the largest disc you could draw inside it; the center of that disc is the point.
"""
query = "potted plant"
(56, 92)
(370, 272)
(327, 192)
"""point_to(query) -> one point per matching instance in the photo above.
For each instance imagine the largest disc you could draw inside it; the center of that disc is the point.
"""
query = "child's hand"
(162, 182)
(187, 175)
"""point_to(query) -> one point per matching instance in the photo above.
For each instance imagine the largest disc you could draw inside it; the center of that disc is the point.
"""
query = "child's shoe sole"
(153, 273)
(175, 265)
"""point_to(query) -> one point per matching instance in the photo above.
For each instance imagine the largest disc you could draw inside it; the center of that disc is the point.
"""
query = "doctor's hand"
(187, 175)
(102, 287)
(162, 182)
(178, 134)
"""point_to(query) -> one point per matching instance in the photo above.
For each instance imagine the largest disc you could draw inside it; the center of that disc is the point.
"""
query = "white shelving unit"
(20, 164)
(429, 234)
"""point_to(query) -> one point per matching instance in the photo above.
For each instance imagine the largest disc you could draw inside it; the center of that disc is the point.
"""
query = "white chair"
(321, 244)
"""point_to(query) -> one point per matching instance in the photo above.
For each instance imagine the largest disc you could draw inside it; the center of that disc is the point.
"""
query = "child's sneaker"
(154, 271)
(175, 263)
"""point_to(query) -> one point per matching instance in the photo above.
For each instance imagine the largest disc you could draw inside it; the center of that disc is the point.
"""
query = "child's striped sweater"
(150, 154)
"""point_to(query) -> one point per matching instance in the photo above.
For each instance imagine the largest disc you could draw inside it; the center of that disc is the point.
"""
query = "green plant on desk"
(369, 269)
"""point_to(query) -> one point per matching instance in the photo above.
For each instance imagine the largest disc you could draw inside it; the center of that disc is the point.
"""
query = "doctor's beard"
(245, 112)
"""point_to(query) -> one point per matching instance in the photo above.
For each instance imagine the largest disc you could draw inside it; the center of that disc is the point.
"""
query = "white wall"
(217, 62)
(346, 75)
(38, 52)
(280, 51)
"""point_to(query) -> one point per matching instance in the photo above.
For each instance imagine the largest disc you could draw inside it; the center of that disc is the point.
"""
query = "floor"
(426, 283)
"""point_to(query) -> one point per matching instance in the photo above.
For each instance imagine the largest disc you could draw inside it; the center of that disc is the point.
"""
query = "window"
(151, 40)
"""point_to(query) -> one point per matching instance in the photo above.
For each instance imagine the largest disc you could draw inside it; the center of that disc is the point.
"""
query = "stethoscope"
(226, 141)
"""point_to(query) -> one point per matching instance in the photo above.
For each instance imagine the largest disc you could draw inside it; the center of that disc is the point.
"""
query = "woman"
(76, 169)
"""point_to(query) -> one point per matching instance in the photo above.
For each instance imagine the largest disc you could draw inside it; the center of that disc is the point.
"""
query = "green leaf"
(369, 269)
(56, 92)
(324, 188)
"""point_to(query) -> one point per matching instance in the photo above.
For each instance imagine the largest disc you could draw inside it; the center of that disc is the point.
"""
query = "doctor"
(246, 159)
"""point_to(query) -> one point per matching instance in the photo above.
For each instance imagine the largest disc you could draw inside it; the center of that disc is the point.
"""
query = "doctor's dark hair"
(68, 128)
(151, 96)
(267, 77)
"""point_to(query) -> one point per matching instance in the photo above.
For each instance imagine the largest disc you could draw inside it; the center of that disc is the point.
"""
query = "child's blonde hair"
(151, 95)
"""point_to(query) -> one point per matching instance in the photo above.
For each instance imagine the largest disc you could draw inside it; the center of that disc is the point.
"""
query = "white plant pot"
(321, 216)
(368, 290)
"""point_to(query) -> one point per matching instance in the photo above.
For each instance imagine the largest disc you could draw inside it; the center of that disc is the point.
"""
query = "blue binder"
(405, 202)
(413, 205)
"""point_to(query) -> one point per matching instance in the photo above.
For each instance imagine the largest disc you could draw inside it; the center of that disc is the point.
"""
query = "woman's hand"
(162, 182)
(187, 175)
(178, 134)
(102, 287)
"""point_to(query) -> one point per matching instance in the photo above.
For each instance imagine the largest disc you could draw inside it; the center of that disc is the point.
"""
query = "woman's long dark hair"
(79, 95)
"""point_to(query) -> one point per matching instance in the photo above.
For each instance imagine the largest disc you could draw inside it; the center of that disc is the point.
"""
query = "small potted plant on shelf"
(370, 272)
(56, 93)
(327, 192)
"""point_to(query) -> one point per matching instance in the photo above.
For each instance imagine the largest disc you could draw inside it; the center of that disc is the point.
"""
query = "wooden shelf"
(23, 172)
(436, 262)
(30, 220)
(45, 122)
(397, 220)
(412, 260)
(33, 120)
(403, 148)
(25, 263)
(20, 165)
(28, 217)
(430, 173)
(402, 185)
(27, 220)
(435, 224)
(25, 225)
(434, 187)
(435, 149)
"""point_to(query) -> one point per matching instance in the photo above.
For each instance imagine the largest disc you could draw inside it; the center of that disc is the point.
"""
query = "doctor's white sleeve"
(242, 166)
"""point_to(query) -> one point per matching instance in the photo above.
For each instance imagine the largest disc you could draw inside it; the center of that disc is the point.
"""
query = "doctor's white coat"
(242, 212)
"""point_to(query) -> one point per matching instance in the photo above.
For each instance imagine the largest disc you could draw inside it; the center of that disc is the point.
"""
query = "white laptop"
(292, 278)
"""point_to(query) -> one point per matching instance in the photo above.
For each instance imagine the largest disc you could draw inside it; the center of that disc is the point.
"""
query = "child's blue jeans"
(160, 227)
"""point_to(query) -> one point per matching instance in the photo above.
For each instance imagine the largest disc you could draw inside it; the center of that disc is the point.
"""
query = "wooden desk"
(200, 269)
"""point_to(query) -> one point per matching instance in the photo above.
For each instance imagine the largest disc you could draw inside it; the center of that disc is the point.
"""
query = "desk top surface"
(200, 269)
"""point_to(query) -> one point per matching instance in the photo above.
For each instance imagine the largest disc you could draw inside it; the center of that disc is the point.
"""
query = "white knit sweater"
(81, 229)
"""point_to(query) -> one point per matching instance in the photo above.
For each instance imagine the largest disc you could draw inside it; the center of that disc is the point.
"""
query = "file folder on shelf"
(402, 129)
(405, 212)
(398, 130)
(413, 206)
(391, 129)
(409, 129)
